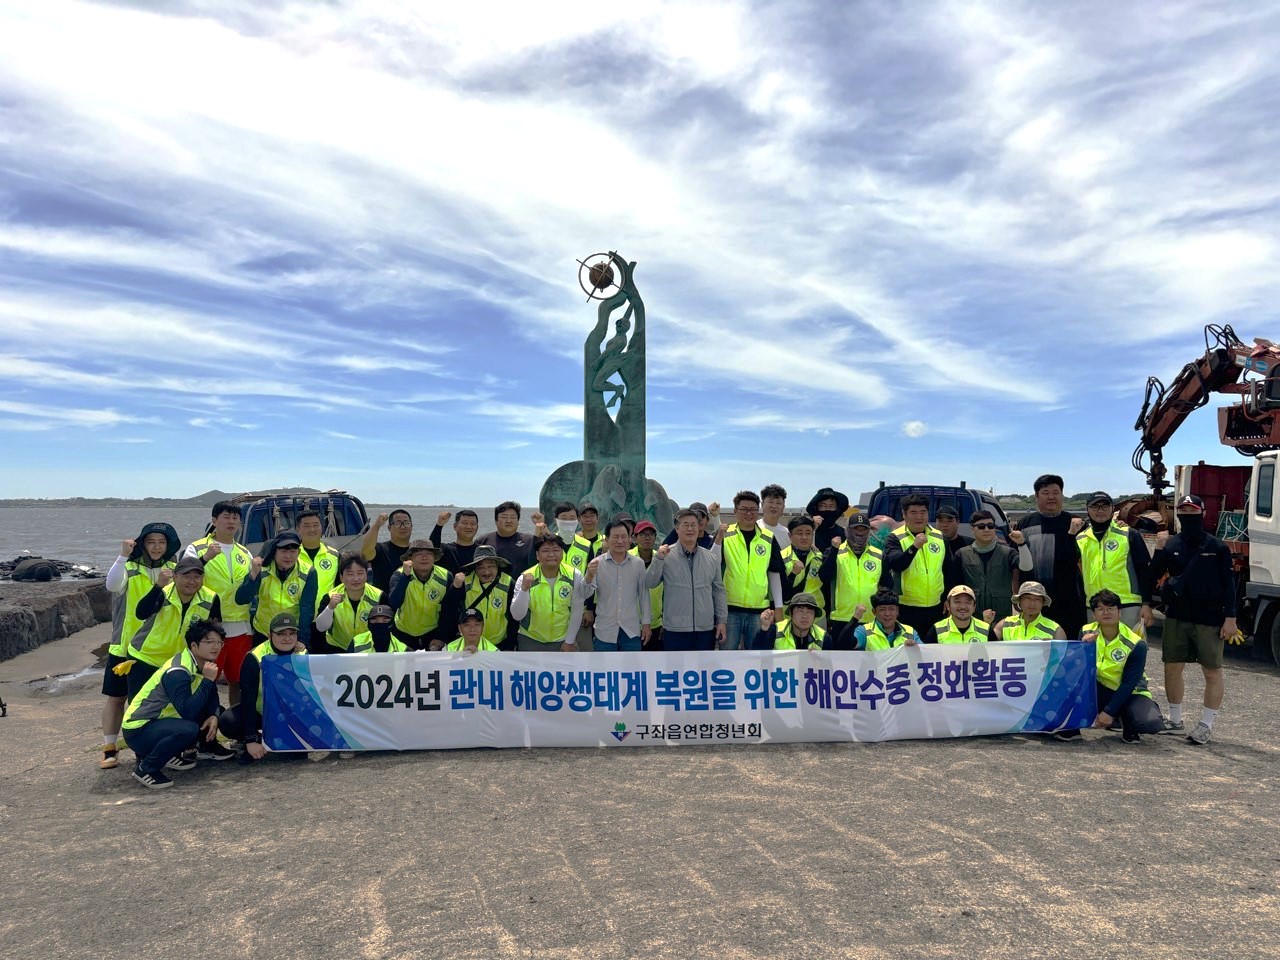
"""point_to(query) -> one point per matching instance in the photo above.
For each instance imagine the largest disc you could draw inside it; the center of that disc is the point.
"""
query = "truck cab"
(887, 501)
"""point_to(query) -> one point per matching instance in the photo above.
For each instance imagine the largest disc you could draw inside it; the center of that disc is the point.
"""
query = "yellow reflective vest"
(857, 579)
(978, 631)
(349, 622)
(1113, 655)
(224, 574)
(787, 641)
(419, 614)
(655, 595)
(582, 550)
(807, 580)
(877, 639)
(152, 702)
(484, 646)
(495, 607)
(162, 636)
(325, 565)
(550, 605)
(139, 579)
(921, 584)
(1106, 564)
(746, 572)
(276, 596)
(1014, 629)
(363, 643)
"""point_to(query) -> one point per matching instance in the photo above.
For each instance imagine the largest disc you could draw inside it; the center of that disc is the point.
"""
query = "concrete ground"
(992, 847)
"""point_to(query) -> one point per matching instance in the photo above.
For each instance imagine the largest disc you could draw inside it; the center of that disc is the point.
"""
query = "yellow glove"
(1236, 639)
(120, 669)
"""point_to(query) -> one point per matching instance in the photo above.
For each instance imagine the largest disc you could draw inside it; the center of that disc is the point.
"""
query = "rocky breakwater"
(32, 614)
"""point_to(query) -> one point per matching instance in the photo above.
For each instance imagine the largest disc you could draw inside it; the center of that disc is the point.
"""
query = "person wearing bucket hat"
(130, 578)
(960, 625)
(798, 631)
(852, 572)
(1028, 621)
(419, 595)
(1113, 556)
(1199, 598)
(484, 585)
(471, 634)
(826, 507)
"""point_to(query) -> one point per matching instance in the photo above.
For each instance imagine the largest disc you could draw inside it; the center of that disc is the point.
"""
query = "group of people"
(830, 578)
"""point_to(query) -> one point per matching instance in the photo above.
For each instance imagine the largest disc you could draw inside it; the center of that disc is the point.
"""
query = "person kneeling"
(797, 632)
(178, 707)
(379, 637)
(884, 632)
(471, 634)
(243, 722)
(1122, 677)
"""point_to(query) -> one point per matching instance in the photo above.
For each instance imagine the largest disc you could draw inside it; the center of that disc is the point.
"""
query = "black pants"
(138, 676)
(655, 640)
(157, 742)
(1138, 715)
(920, 619)
(689, 639)
(231, 723)
(416, 643)
(839, 634)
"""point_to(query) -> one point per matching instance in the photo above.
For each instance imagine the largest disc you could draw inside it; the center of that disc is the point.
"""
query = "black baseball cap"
(801, 521)
(288, 538)
(283, 621)
(1191, 504)
(859, 520)
(471, 613)
(188, 565)
(1099, 496)
(700, 508)
(948, 511)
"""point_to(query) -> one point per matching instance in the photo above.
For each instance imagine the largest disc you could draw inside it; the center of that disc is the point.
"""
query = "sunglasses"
(984, 526)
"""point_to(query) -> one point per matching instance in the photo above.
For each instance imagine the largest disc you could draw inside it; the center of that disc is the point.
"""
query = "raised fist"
(593, 566)
(796, 566)
(1077, 524)
(336, 598)
(1016, 536)
(526, 581)
(126, 547)
(766, 620)
(713, 508)
(164, 577)
(443, 517)
(407, 567)
(817, 521)
(921, 539)
(255, 566)
(836, 541)
(538, 518)
(459, 580)
(859, 611)
(989, 615)
(213, 550)
(381, 521)
(664, 549)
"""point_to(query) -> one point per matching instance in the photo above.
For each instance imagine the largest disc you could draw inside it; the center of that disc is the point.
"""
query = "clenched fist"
(526, 581)
(164, 578)
(443, 517)
(921, 539)
(126, 547)
(459, 580)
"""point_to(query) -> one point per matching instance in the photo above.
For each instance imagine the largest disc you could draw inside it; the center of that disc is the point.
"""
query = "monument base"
(610, 490)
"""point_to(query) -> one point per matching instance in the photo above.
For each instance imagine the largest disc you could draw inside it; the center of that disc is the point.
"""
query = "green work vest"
(348, 622)
(877, 639)
(495, 607)
(991, 581)
(484, 646)
(786, 641)
(276, 596)
(550, 603)
(420, 612)
(163, 635)
(857, 579)
(655, 595)
(947, 632)
(139, 579)
(152, 703)
(1106, 565)
(746, 578)
(1014, 629)
(265, 649)
(1112, 656)
(807, 580)
(582, 551)
(325, 565)
(224, 574)
(921, 584)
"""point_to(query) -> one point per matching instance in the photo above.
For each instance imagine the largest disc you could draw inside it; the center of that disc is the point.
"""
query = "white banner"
(419, 701)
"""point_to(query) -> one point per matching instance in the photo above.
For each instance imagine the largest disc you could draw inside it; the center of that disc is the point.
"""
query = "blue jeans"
(157, 742)
(676, 640)
(740, 629)
(624, 643)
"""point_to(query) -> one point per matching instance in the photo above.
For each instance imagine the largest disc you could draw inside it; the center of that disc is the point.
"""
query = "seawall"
(32, 614)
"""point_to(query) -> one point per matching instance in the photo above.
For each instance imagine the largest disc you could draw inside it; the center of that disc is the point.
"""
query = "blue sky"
(247, 245)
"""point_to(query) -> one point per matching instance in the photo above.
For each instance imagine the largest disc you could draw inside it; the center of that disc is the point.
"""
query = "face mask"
(829, 518)
(566, 528)
(858, 539)
(381, 632)
(1191, 526)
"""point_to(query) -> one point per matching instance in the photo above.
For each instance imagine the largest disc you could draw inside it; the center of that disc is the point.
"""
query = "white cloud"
(915, 429)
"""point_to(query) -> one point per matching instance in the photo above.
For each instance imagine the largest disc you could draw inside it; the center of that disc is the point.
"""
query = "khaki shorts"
(1191, 643)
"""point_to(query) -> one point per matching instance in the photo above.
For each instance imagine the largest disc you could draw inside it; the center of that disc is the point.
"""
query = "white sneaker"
(318, 755)
(1201, 734)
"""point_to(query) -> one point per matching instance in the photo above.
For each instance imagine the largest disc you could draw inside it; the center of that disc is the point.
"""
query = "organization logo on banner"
(620, 732)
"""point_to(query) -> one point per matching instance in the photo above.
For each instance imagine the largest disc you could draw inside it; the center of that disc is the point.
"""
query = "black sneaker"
(214, 751)
(153, 781)
(1116, 725)
(1066, 735)
(180, 763)
(1171, 726)
(1131, 736)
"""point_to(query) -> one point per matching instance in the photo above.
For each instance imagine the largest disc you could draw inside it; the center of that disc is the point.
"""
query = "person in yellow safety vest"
(484, 585)
(244, 721)
(1113, 556)
(166, 611)
(421, 598)
(130, 579)
(178, 708)
(316, 554)
(751, 562)
(852, 571)
(646, 536)
(471, 634)
(916, 556)
(580, 550)
(1123, 696)
(344, 613)
(1027, 623)
(227, 565)
(885, 631)
(960, 626)
(547, 602)
(802, 561)
(380, 637)
(799, 631)
(278, 584)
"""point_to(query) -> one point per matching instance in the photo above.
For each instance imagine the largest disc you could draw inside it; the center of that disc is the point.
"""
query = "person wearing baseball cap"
(419, 593)
(798, 631)
(960, 625)
(379, 638)
(243, 722)
(471, 634)
(167, 610)
(645, 536)
(1114, 557)
(1199, 599)
(851, 572)
(947, 520)
(1028, 621)
(281, 585)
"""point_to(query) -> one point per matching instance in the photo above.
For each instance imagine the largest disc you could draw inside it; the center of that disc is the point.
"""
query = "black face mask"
(381, 632)
(1191, 526)
(829, 518)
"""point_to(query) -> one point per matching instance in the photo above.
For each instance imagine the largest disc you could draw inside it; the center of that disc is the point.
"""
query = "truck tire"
(1274, 633)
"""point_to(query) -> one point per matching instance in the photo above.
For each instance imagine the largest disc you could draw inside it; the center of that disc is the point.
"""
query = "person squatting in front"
(798, 631)
(178, 708)
(1123, 696)
(243, 722)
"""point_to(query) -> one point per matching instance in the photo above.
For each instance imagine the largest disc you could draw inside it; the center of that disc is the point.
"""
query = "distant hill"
(206, 499)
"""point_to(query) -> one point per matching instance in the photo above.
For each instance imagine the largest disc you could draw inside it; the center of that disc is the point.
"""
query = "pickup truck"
(887, 500)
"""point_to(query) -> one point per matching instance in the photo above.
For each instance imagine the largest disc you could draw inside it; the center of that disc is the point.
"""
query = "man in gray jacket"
(694, 607)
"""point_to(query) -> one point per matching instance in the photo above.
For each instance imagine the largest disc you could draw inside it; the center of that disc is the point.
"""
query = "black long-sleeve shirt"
(1206, 591)
(453, 556)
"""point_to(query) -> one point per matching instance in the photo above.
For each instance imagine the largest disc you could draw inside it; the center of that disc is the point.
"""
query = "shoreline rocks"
(32, 614)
